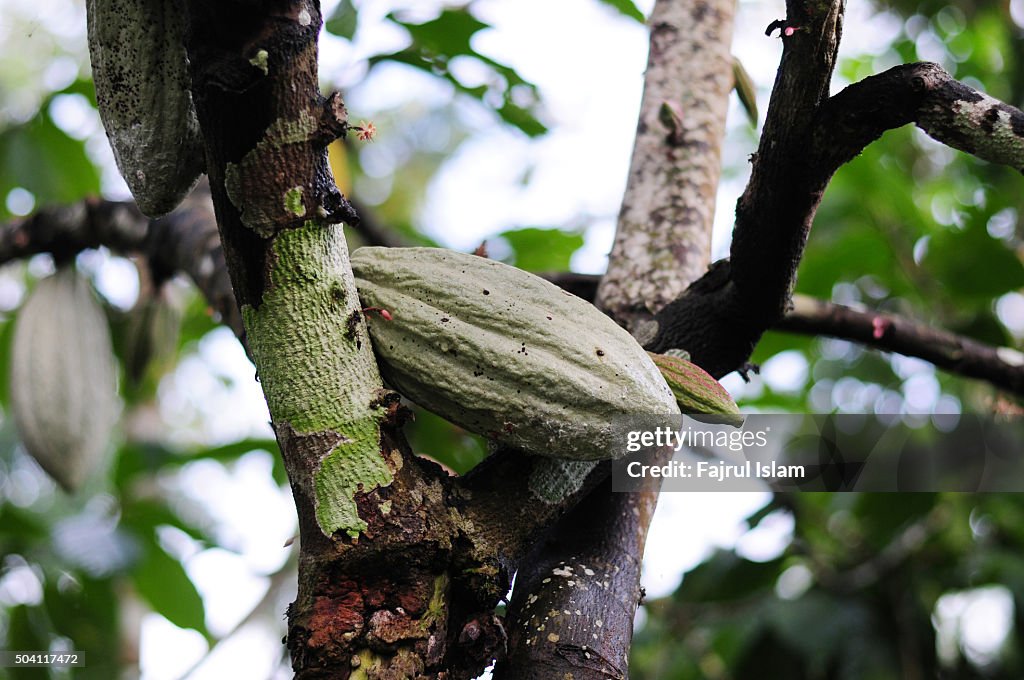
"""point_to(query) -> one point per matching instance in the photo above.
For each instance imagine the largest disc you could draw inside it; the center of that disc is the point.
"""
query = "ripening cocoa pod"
(697, 393)
(63, 381)
(140, 70)
(504, 353)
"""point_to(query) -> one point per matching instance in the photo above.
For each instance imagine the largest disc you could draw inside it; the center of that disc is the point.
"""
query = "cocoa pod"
(504, 353)
(140, 70)
(63, 381)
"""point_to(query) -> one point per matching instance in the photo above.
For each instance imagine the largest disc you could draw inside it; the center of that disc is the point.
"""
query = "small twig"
(1000, 366)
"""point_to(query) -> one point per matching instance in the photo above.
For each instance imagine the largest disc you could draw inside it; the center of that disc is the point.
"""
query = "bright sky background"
(588, 62)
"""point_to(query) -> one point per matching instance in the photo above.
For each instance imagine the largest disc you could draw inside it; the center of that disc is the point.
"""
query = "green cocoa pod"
(697, 393)
(142, 82)
(63, 382)
(504, 353)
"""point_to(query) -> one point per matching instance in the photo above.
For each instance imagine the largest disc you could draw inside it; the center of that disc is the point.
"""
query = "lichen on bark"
(304, 348)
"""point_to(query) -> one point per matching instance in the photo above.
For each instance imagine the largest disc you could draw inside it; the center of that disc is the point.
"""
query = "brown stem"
(1000, 366)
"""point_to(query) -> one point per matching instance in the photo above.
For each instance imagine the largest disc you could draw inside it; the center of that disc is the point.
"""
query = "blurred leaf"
(542, 250)
(19, 529)
(955, 259)
(26, 632)
(40, 157)
(449, 34)
(433, 436)
(883, 515)
(162, 582)
(725, 576)
(627, 8)
(139, 458)
(145, 516)
(435, 43)
(87, 612)
(343, 20)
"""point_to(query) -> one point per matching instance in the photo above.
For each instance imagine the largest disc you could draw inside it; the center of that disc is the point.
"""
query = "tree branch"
(719, 319)
(502, 516)
(1002, 367)
(186, 241)
(738, 299)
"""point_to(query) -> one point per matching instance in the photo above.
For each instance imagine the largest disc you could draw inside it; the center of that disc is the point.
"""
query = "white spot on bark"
(1010, 356)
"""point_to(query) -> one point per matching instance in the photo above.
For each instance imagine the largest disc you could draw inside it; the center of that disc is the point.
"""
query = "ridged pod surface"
(504, 353)
(140, 69)
(63, 385)
(697, 393)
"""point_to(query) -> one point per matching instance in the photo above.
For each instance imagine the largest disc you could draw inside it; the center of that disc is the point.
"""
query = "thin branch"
(663, 235)
(948, 110)
(184, 241)
(1002, 367)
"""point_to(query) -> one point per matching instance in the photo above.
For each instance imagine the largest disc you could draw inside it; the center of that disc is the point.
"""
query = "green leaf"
(343, 20)
(162, 582)
(883, 515)
(521, 118)
(437, 42)
(146, 515)
(449, 34)
(87, 612)
(972, 264)
(40, 157)
(542, 250)
(431, 435)
(150, 457)
(26, 632)
(725, 576)
(627, 8)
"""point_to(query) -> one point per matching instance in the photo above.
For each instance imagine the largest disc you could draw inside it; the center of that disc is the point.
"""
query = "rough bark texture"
(663, 240)
(365, 504)
(721, 317)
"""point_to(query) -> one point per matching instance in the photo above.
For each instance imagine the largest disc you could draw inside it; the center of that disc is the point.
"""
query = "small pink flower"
(366, 131)
(879, 325)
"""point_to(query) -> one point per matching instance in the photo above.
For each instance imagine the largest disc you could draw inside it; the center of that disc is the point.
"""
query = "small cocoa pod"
(504, 353)
(151, 336)
(697, 393)
(63, 381)
(140, 70)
